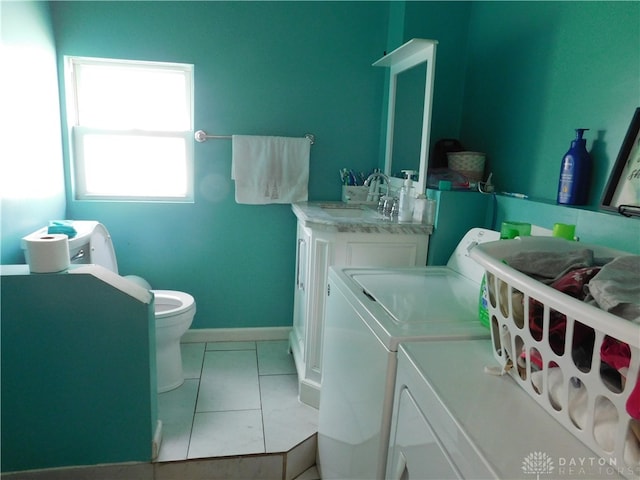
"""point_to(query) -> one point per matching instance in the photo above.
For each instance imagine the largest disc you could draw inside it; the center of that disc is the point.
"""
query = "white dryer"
(453, 421)
(369, 312)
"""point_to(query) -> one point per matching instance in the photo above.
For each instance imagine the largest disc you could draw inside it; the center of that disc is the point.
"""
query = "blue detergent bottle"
(575, 172)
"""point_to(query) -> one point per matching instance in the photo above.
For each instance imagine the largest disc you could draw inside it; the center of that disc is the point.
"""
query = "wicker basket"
(579, 389)
(469, 164)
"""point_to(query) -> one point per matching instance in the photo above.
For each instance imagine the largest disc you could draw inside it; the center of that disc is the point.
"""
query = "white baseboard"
(198, 335)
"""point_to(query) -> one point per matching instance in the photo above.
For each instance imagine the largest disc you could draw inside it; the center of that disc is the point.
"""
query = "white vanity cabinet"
(326, 239)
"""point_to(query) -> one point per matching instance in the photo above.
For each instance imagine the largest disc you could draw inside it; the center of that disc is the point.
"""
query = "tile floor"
(236, 417)
(238, 398)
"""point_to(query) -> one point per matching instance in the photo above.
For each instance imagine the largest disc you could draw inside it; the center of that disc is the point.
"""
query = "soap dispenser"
(405, 207)
(575, 172)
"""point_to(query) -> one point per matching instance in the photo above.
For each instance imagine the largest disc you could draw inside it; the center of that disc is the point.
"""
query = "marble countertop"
(352, 218)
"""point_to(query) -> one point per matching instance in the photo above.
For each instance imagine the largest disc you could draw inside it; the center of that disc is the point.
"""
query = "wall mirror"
(411, 76)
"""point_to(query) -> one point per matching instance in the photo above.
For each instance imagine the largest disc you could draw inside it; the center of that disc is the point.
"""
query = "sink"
(343, 212)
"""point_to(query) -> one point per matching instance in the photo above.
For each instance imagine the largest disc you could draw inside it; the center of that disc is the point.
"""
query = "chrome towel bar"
(201, 136)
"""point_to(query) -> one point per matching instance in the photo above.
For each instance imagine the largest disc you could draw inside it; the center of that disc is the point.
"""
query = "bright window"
(131, 127)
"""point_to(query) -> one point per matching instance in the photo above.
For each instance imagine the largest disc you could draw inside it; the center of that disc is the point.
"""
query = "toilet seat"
(174, 313)
(170, 304)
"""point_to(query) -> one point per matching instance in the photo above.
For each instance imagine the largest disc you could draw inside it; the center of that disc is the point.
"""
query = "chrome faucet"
(387, 204)
(377, 174)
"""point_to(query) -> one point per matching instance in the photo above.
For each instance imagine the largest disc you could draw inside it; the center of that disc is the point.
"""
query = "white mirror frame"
(412, 53)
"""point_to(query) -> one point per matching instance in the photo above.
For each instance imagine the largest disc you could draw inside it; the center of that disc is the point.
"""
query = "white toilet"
(174, 311)
(174, 314)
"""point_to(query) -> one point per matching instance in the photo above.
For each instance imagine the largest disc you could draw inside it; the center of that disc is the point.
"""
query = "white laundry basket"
(572, 389)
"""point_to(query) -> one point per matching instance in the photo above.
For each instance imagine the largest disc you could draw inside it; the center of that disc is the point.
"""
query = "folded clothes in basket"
(546, 267)
(574, 284)
(580, 364)
(614, 287)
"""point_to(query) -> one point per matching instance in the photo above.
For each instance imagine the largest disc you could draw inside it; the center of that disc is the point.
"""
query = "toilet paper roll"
(48, 253)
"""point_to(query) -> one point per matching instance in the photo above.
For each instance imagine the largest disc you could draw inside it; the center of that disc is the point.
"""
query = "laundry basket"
(555, 347)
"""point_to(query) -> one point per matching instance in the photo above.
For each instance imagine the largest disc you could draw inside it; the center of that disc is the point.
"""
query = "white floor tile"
(176, 409)
(229, 382)
(287, 421)
(231, 345)
(192, 355)
(224, 388)
(218, 434)
(274, 358)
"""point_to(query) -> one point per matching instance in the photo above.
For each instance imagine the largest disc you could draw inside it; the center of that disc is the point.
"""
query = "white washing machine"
(452, 420)
(369, 312)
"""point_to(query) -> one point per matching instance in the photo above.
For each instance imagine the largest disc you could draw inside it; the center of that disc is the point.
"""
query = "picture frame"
(622, 193)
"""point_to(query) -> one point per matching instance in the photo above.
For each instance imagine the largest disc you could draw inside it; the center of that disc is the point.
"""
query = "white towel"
(270, 169)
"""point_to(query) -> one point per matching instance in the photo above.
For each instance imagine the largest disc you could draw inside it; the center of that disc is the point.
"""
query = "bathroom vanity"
(343, 234)
(340, 234)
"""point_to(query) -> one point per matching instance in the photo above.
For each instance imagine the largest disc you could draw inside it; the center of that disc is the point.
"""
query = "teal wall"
(264, 68)
(593, 227)
(535, 72)
(538, 70)
(64, 354)
(78, 363)
(31, 173)
(448, 23)
(458, 211)
(513, 79)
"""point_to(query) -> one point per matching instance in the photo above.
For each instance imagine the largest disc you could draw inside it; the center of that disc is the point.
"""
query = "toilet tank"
(91, 244)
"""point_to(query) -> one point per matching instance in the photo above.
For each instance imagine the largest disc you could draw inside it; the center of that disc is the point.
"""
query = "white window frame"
(77, 133)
